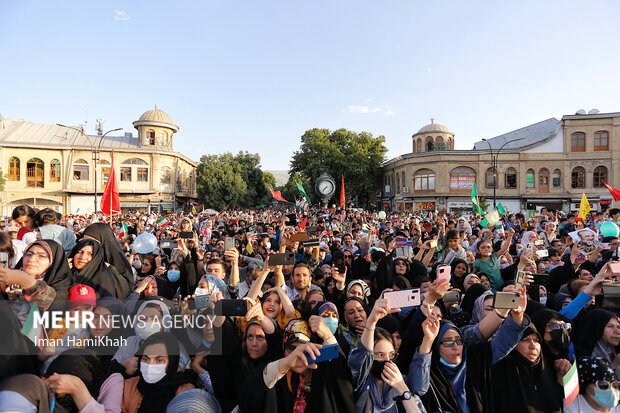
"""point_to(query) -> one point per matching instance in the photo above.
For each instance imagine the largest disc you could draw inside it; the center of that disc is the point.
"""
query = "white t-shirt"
(585, 407)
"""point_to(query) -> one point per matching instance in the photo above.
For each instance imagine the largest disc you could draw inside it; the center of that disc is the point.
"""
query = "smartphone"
(200, 301)
(229, 243)
(328, 352)
(542, 253)
(505, 301)
(237, 308)
(311, 243)
(519, 279)
(403, 242)
(540, 279)
(186, 234)
(452, 296)
(4, 259)
(403, 298)
(300, 237)
(539, 242)
(285, 258)
(614, 266)
(606, 245)
(443, 274)
(168, 243)
(202, 244)
(292, 219)
(311, 230)
(433, 243)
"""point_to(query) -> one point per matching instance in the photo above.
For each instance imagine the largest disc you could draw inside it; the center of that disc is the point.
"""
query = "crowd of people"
(317, 331)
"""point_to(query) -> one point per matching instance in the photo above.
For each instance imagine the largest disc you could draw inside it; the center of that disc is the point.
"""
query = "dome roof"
(156, 117)
(433, 128)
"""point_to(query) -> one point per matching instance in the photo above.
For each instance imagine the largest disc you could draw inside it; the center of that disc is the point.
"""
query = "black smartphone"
(292, 219)
(311, 243)
(237, 308)
(202, 244)
(168, 243)
(186, 234)
(200, 301)
(285, 258)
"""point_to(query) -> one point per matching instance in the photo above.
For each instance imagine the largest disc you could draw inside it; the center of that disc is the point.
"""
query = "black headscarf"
(471, 295)
(107, 349)
(522, 386)
(58, 274)
(457, 282)
(82, 364)
(540, 319)
(156, 396)
(113, 253)
(590, 330)
(34, 390)
(555, 301)
(105, 280)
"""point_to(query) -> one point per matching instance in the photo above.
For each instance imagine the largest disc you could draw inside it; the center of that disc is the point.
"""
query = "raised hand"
(430, 327)
(298, 357)
(318, 326)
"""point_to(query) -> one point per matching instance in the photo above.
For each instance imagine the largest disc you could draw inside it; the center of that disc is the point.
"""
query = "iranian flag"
(571, 384)
(162, 222)
(123, 233)
(34, 333)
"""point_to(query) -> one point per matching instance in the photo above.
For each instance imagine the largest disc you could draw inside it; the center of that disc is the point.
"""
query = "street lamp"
(494, 164)
(96, 150)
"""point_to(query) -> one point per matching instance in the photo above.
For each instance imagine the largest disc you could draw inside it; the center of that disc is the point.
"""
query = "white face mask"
(543, 300)
(201, 291)
(268, 245)
(152, 373)
(148, 330)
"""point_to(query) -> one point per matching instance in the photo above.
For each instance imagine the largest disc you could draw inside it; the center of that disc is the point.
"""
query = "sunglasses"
(451, 343)
(558, 326)
(604, 385)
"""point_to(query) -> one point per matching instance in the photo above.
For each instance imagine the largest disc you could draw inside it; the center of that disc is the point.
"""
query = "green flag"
(501, 208)
(491, 218)
(474, 200)
(303, 192)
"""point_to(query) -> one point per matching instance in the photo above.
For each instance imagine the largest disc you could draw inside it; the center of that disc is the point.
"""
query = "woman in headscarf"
(292, 384)
(160, 379)
(355, 314)
(470, 297)
(103, 326)
(27, 393)
(598, 388)
(113, 254)
(598, 335)
(459, 271)
(378, 383)
(90, 268)
(76, 377)
(42, 275)
(329, 312)
(441, 367)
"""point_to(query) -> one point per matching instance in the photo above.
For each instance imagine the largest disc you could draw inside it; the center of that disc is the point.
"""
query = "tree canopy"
(358, 156)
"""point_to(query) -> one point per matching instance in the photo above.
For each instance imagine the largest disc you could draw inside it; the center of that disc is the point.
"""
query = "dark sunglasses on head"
(604, 385)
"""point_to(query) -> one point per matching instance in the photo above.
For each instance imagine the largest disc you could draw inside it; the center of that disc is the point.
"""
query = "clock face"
(326, 188)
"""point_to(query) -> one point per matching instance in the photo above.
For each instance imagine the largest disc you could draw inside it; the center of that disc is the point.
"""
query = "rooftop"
(528, 135)
(432, 128)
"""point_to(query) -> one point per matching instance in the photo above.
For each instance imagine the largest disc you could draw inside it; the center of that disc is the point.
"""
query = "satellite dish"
(594, 112)
(580, 112)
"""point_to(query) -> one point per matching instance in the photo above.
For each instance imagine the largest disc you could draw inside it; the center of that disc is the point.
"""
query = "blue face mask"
(173, 275)
(206, 343)
(445, 363)
(606, 398)
(332, 323)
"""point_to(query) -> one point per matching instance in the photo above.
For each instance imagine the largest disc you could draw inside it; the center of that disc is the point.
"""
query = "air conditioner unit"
(405, 190)
(379, 193)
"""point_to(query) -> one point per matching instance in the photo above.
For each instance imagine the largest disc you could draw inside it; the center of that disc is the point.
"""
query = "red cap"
(82, 294)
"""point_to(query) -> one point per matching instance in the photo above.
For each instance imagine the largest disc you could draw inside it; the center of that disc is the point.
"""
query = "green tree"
(484, 205)
(358, 156)
(248, 165)
(219, 181)
(2, 180)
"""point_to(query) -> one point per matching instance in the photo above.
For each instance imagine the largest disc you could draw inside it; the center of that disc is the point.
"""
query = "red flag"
(277, 195)
(111, 201)
(342, 193)
(614, 192)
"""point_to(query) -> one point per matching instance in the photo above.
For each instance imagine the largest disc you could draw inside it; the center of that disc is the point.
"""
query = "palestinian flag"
(123, 234)
(162, 222)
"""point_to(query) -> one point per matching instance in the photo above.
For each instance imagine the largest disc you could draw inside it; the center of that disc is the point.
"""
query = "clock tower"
(325, 187)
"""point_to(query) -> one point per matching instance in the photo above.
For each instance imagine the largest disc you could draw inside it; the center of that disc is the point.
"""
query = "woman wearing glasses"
(440, 370)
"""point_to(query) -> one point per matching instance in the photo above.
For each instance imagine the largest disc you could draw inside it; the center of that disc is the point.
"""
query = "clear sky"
(254, 75)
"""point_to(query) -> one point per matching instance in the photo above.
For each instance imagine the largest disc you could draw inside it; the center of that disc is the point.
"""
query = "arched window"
(543, 180)
(578, 177)
(424, 180)
(104, 167)
(462, 179)
(80, 170)
(511, 178)
(419, 145)
(141, 167)
(439, 144)
(557, 178)
(150, 137)
(529, 179)
(165, 182)
(449, 144)
(55, 170)
(398, 183)
(163, 137)
(429, 144)
(578, 142)
(14, 169)
(402, 180)
(489, 178)
(601, 140)
(35, 173)
(600, 175)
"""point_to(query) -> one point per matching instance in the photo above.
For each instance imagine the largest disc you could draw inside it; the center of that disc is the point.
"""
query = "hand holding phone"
(443, 274)
(403, 298)
(506, 300)
(328, 352)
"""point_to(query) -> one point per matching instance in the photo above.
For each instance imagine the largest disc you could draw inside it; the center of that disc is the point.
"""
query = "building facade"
(550, 163)
(54, 166)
